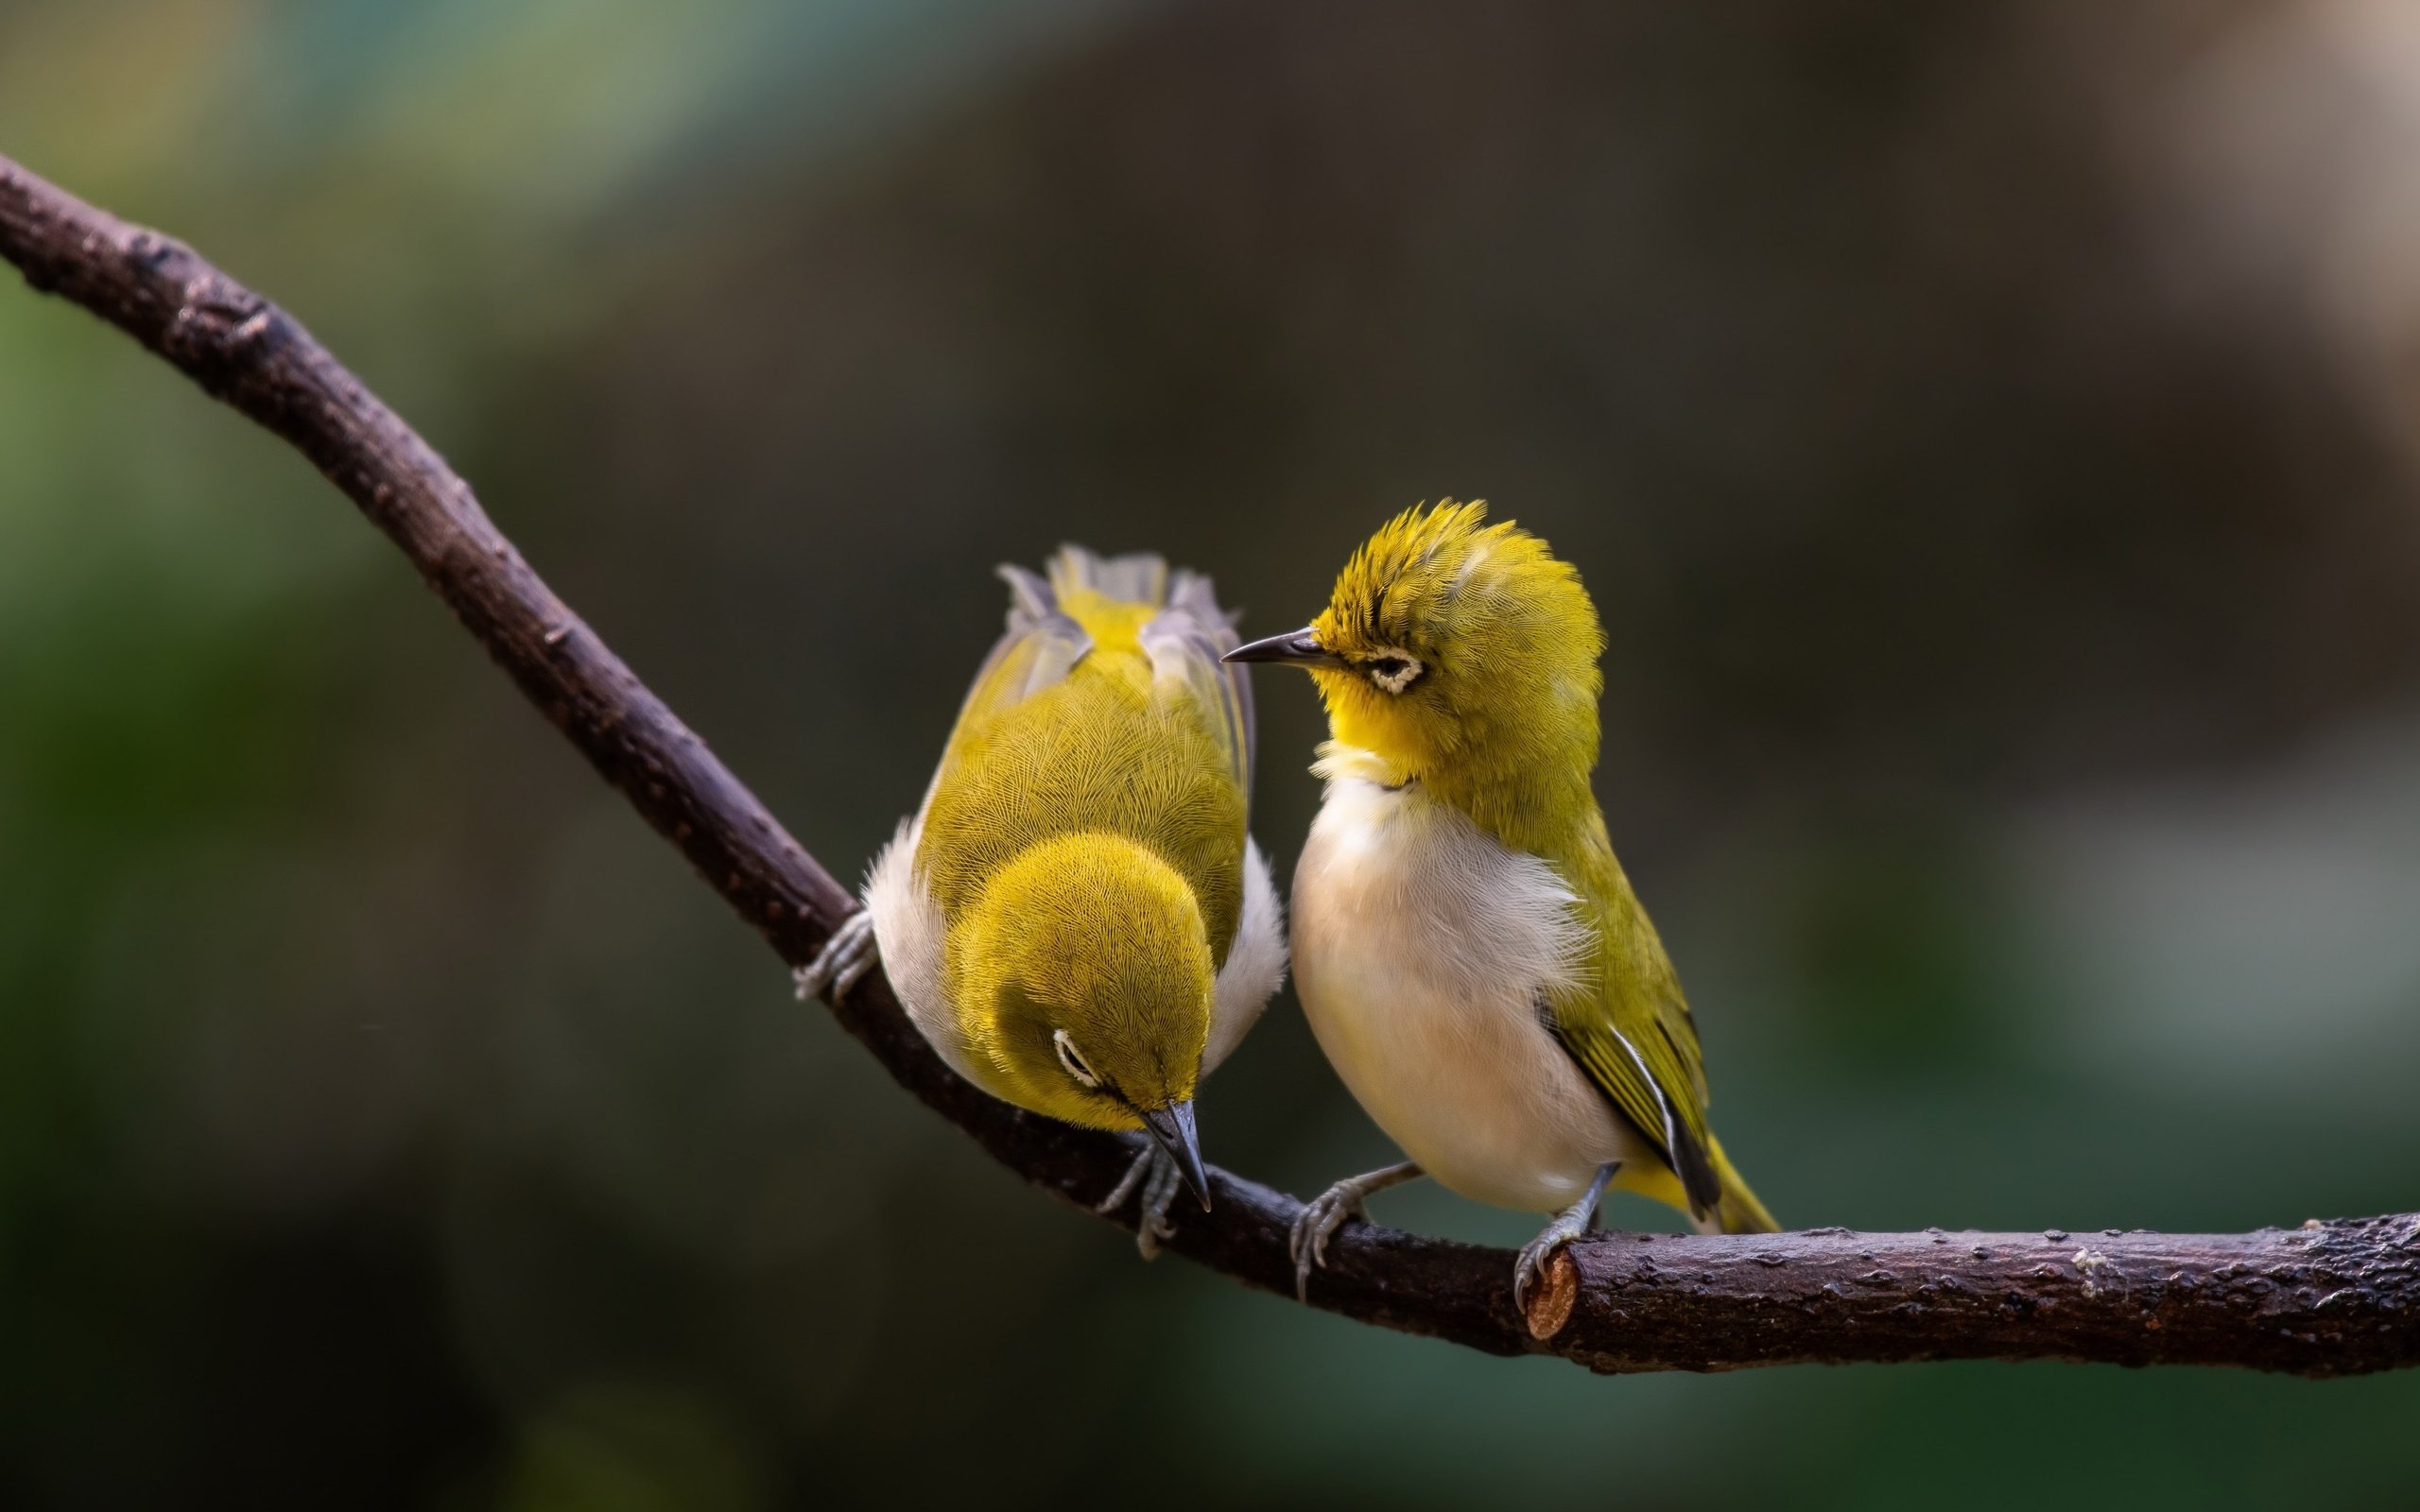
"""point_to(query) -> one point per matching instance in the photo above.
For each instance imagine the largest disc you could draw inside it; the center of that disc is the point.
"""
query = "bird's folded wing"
(1042, 647)
(1185, 642)
(1643, 1057)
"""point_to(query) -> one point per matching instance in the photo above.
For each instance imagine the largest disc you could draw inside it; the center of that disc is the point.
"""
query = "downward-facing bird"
(1468, 950)
(1076, 919)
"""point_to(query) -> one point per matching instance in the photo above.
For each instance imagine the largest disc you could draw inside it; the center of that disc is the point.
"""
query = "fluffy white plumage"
(1423, 948)
(907, 927)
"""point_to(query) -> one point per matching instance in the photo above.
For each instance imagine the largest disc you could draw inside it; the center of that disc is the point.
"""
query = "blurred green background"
(1991, 433)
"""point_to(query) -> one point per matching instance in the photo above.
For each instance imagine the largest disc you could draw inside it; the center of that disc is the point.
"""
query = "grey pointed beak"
(1301, 647)
(1173, 1129)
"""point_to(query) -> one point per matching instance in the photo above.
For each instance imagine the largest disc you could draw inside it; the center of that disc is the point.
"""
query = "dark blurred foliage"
(1987, 429)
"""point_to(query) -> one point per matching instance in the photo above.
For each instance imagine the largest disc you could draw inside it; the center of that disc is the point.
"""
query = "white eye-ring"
(1074, 1062)
(1393, 670)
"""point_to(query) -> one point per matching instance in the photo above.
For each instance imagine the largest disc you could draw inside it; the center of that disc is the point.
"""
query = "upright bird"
(1467, 948)
(1076, 919)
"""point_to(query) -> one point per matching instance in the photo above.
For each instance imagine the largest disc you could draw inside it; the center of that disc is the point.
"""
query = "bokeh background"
(1991, 433)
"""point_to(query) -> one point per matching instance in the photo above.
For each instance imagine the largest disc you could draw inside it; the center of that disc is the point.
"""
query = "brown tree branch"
(2330, 1298)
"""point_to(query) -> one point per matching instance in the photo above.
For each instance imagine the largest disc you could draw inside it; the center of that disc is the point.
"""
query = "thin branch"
(2324, 1299)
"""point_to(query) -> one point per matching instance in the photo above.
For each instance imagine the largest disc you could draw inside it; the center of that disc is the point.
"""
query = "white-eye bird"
(1467, 949)
(1076, 918)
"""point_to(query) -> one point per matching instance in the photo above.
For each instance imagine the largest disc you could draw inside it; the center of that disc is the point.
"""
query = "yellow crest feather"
(1499, 713)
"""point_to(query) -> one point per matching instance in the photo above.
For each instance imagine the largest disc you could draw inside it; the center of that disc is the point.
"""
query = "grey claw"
(1136, 1170)
(1306, 1242)
(846, 957)
(1160, 1180)
(853, 973)
(1568, 1225)
(1158, 1193)
(1538, 1254)
(1321, 1217)
(1151, 1232)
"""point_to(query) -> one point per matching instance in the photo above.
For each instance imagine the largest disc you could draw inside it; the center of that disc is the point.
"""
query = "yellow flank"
(1462, 657)
(1083, 843)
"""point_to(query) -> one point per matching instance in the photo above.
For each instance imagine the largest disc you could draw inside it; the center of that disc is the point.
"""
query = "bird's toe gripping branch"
(1155, 1172)
(844, 960)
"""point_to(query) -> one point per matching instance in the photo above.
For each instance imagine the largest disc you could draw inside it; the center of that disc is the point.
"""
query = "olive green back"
(1103, 714)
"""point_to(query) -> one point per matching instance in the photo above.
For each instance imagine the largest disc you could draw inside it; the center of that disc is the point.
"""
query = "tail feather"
(1141, 577)
(1739, 1212)
(1196, 595)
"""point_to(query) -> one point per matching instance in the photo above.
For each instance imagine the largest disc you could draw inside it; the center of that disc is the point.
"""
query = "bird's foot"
(846, 957)
(1159, 1179)
(1324, 1214)
(1573, 1221)
(1539, 1253)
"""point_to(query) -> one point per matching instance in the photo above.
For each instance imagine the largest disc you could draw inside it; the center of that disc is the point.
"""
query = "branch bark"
(2330, 1298)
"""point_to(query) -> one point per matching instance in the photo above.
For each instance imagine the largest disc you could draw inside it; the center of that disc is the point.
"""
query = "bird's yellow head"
(1458, 655)
(1085, 974)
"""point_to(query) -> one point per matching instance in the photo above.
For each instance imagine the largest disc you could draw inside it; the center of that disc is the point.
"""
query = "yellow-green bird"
(1076, 919)
(1468, 951)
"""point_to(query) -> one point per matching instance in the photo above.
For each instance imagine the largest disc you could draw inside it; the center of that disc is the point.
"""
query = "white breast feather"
(1514, 921)
(1255, 962)
(908, 928)
(1422, 946)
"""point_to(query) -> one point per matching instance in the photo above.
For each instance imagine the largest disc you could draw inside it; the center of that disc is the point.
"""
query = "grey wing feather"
(1141, 577)
(1046, 642)
(1042, 646)
(1185, 642)
(1652, 1115)
(1689, 1162)
(1030, 599)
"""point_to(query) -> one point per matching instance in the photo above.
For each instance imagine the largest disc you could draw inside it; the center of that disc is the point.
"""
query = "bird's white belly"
(1421, 948)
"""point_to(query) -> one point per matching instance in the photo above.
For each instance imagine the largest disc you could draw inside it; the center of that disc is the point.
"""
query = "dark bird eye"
(1393, 672)
(1072, 1062)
